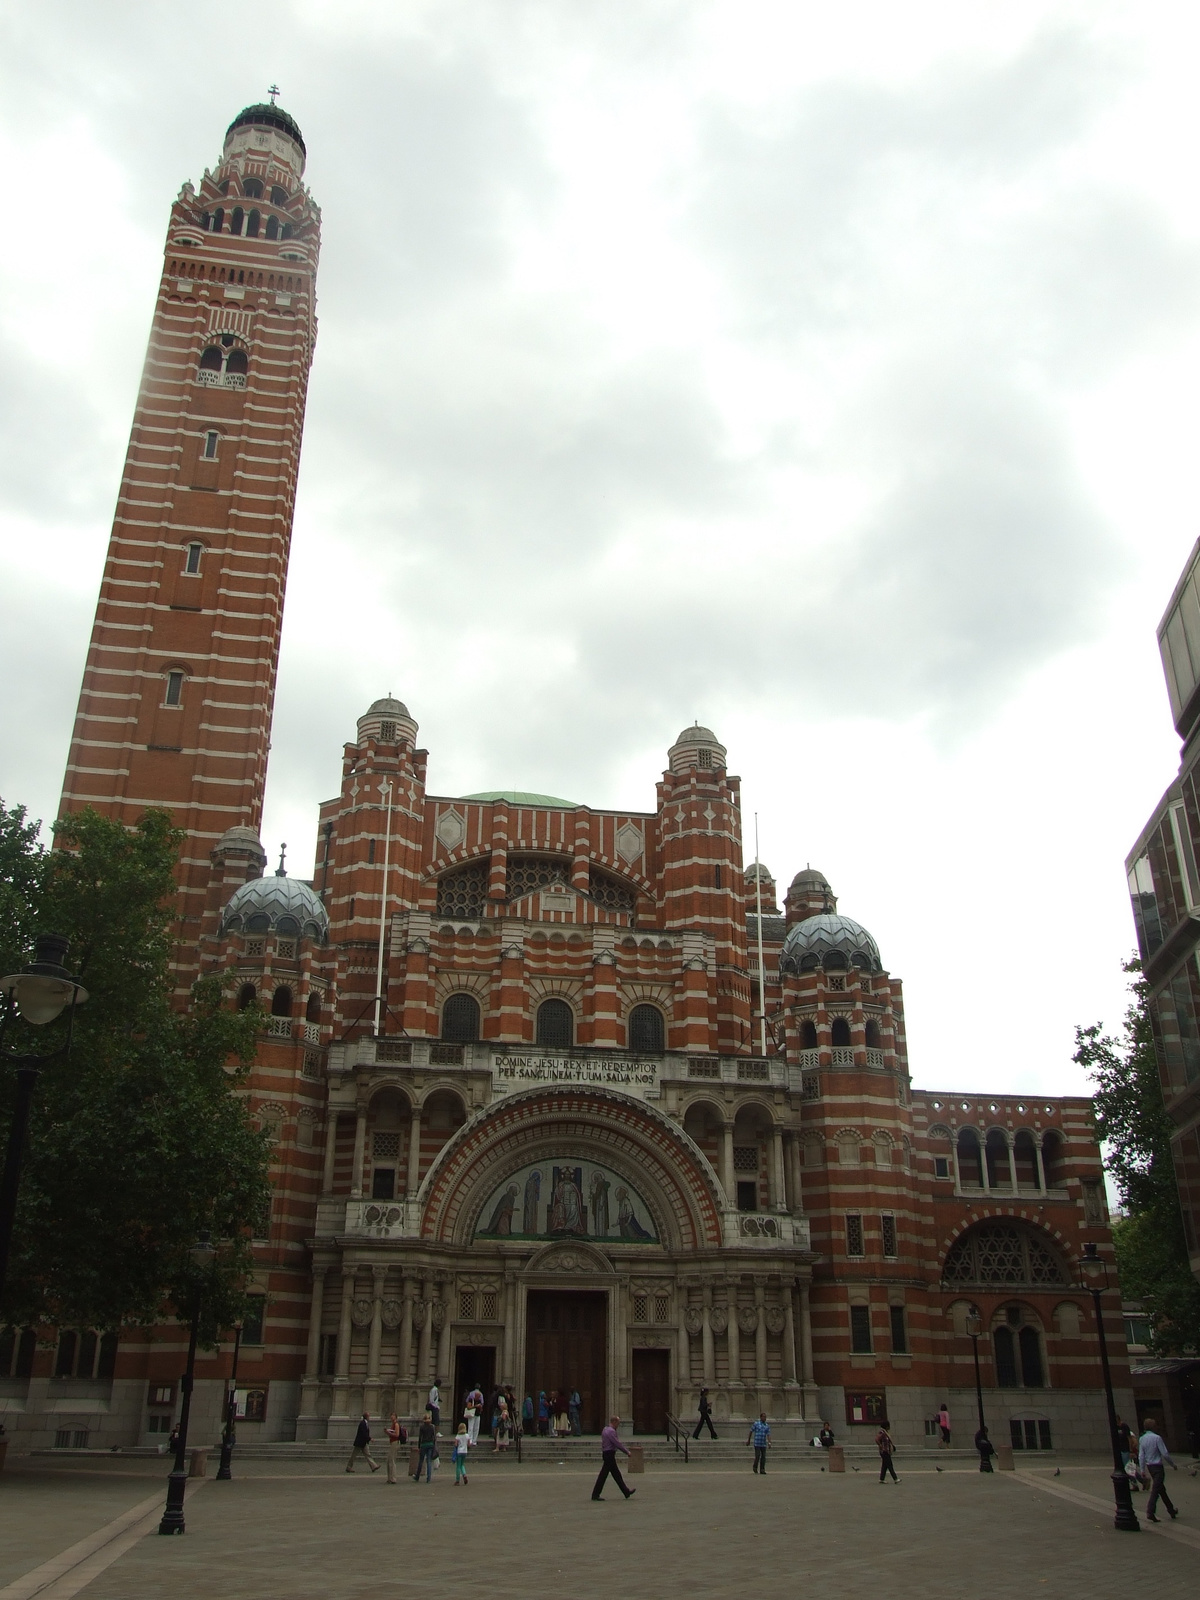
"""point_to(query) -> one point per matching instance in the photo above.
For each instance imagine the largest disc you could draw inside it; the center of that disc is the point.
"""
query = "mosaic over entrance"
(571, 1199)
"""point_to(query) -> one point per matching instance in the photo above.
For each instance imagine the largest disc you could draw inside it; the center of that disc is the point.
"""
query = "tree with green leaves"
(1132, 1121)
(140, 1139)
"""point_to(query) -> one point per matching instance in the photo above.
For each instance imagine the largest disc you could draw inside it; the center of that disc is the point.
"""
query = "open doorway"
(474, 1368)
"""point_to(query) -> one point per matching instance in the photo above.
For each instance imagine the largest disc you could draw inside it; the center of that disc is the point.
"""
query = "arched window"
(286, 231)
(237, 361)
(1005, 1347)
(235, 221)
(1052, 1159)
(460, 1019)
(808, 1035)
(555, 1025)
(272, 227)
(281, 1002)
(252, 189)
(970, 1159)
(646, 1032)
(253, 222)
(278, 195)
(1003, 1252)
(258, 923)
(312, 1011)
(210, 361)
(873, 1039)
(1030, 1347)
(218, 219)
(247, 995)
(996, 1151)
(841, 1031)
(1026, 1160)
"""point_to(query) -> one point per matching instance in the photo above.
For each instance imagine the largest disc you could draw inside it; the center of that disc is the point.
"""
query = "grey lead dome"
(830, 941)
(276, 905)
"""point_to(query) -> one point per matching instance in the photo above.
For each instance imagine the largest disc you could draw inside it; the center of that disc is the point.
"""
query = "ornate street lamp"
(203, 1253)
(38, 995)
(975, 1330)
(229, 1432)
(1093, 1277)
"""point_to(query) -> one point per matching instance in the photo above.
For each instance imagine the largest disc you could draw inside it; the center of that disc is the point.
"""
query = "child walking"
(462, 1443)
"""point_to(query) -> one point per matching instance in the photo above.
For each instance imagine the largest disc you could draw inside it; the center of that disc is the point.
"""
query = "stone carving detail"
(451, 830)
(381, 1216)
(775, 1319)
(361, 1312)
(393, 1312)
(718, 1319)
(438, 1313)
(418, 1313)
(760, 1227)
(693, 1321)
(748, 1318)
(629, 843)
(565, 1261)
(651, 1341)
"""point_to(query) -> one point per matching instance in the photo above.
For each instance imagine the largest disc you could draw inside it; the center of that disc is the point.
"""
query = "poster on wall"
(567, 1200)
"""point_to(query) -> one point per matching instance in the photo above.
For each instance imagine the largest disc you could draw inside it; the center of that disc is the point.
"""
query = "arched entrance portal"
(566, 1347)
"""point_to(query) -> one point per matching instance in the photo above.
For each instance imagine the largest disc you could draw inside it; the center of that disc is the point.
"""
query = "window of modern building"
(194, 552)
(1145, 906)
(646, 1030)
(281, 1002)
(252, 1322)
(855, 1245)
(899, 1331)
(860, 1330)
(841, 1031)
(555, 1025)
(460, 1019)
(174, 695)
(887, 1225)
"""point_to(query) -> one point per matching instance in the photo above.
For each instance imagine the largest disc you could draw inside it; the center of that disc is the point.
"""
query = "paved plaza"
(307, 1531)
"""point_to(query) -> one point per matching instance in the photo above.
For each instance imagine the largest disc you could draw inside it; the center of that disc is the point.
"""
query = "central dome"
(264, 116)
(830, 941)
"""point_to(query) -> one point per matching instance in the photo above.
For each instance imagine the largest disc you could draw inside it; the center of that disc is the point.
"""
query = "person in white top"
(1155, 1458)
(473, 1409)
(435, 1403)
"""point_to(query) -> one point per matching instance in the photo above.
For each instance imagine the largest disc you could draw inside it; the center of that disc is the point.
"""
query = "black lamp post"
(229, 1432)
(975, 1330)
(38, 994)
(1094, 1278)
(202, 1255)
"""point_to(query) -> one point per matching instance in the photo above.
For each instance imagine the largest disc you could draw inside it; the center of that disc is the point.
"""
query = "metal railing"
(677, 1435)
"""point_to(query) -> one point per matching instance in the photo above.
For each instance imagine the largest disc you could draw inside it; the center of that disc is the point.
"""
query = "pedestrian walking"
(886, 1446)
(426, 1445)
(574, 1410)
(986, 1450)
(760, 1434)
(943, 1422)
(1126, 1441)
(362, 1445)
(396, 1436)
(705, 1416)
(609, 1445)
(1154, 1458)
(500, 1425)
(462, 1443)
(435, 1403)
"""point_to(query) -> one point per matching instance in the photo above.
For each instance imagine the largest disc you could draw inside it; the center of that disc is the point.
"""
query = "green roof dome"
(272, 116)
(522, 797)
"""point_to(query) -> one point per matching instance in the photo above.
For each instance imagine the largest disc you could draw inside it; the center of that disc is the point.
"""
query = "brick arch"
(1023, 1214)
(666, 1166)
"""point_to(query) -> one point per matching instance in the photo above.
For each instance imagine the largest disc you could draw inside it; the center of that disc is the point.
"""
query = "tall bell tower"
(179, 686)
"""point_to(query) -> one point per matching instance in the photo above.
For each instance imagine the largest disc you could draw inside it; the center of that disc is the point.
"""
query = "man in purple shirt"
(609, 1445)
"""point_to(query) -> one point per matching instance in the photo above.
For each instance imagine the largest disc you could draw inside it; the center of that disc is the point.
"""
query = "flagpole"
(385, 788)
(762, 983)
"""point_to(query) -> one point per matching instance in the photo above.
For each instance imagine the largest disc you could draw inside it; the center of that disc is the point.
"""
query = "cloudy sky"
(827, 374)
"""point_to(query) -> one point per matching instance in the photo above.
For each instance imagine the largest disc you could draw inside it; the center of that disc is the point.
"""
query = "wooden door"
(651, 1390)
(566, 1347)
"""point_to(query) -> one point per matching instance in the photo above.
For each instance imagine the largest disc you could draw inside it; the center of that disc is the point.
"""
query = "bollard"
(197, 1463)
(637, 1459)
(837, 1458)
(1004, 1458)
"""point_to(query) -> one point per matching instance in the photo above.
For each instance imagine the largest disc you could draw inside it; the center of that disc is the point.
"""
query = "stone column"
(341, 1395)
(789, 1336)
(706, 1335)
(806, 1346)
(422, 1377)
(778, 1193)
(404, 1370)
(1012, 1165)
(378, 1274)
(443, 1374)
(331, 1126)
(316, 1311)
(727, 1165)
(412, 1172)
(983, 1164)
(360, 1150)
(507, 1373)
(683, 1362)
(1039, 1166)
(760, 1335)
(796, 1200)
(735, 1343)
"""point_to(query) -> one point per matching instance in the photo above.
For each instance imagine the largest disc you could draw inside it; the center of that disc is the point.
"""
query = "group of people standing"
(556, 1412)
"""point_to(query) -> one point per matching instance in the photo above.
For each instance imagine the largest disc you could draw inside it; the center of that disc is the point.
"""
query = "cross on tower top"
(273, 91)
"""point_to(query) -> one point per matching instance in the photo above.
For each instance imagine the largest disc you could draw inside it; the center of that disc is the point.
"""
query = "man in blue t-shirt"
(760, 1434)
